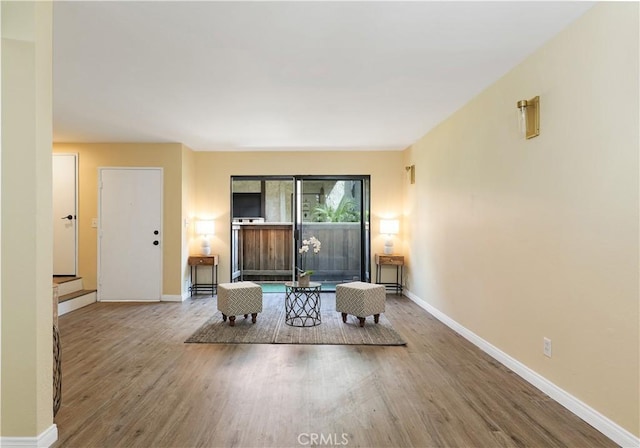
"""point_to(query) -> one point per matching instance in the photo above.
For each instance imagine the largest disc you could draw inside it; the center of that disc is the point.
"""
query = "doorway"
(130, 234)
(65, 202)
(273, 215)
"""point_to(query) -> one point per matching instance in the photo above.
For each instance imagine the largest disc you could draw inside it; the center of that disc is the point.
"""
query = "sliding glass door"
(262, 244)
(334, 210)
(273, 215)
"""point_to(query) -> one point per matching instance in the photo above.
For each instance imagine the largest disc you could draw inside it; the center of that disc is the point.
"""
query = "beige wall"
(26, 239)
(188, 201)
(197, 185)
(214, 170)
(92, 156)
(523, 239)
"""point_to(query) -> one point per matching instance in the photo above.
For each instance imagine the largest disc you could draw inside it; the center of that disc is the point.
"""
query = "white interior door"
(64, 214)
(130, 234)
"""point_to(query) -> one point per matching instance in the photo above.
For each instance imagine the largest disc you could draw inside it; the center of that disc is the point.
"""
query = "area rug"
(270, 328)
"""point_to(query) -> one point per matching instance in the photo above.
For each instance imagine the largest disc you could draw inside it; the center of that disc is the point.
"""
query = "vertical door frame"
(76, 216)
(101, 169)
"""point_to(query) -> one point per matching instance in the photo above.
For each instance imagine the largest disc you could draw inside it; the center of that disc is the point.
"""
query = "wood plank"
(267, 248)
(130, 381)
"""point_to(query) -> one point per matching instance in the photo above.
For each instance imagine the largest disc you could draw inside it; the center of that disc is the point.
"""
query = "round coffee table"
(302, 304)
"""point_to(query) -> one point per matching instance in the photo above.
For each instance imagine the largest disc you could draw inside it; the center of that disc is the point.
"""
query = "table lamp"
(389, 227)
(205, 228)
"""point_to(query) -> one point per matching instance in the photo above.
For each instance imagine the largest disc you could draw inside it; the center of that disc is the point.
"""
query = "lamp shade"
(389, 226)
(205, 227)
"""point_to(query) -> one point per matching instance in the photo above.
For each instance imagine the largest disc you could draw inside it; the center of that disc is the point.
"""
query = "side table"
(203, 260)
(302, 304)
(390, 260)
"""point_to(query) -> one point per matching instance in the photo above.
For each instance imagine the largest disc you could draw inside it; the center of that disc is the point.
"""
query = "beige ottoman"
(239, 298)
(361, 300)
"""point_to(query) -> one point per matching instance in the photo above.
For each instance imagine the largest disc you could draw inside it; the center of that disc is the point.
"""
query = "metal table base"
(302, 304)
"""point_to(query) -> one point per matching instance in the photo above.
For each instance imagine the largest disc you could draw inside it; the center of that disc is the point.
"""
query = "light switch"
(94, 223)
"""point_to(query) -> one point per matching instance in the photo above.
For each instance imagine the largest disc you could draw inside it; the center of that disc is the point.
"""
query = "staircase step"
(75, 300)
(67, 285)
(74, 294)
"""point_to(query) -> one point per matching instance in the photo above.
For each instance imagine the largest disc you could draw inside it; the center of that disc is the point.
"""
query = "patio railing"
(266, 252)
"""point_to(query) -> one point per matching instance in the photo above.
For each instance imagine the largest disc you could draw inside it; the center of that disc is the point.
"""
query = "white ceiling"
(283, 75)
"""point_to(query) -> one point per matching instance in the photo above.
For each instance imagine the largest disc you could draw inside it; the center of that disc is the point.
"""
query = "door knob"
(156, 242)
(69, 217)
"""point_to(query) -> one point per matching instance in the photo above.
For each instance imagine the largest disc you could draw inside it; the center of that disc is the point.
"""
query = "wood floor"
(130, 381)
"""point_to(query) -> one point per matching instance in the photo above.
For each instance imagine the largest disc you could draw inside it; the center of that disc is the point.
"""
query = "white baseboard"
(163, 298)
(44, 440)
(603, 424)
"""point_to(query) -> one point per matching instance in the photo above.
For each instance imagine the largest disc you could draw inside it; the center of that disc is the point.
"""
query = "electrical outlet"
(547, 347)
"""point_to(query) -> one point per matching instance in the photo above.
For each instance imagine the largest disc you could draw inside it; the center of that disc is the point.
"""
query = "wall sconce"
(412, 172)
(529, 117)
(205, 228)
(389, 227)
